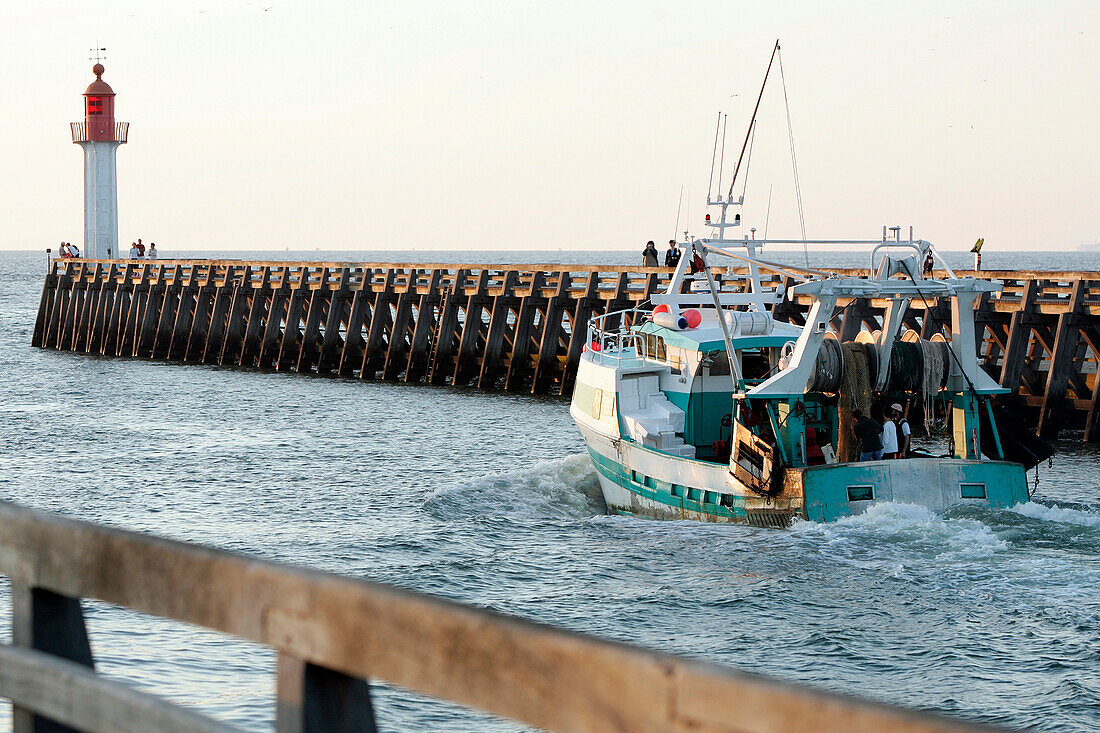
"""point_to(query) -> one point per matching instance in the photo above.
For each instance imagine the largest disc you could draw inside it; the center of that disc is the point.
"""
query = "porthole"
(973, 491)
(862, 492)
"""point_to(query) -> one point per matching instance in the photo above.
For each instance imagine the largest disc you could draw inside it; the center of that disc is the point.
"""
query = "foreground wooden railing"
(332, 633)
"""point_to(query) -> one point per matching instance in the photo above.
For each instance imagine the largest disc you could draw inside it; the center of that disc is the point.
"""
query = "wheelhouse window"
(594, 402)
(655, 347)
(717, 363)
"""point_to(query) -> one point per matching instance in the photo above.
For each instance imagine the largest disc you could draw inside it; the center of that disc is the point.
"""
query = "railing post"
(312, 699)
(47, 622)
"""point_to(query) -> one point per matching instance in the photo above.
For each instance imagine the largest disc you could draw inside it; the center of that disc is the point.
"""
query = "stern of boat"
(843, 489)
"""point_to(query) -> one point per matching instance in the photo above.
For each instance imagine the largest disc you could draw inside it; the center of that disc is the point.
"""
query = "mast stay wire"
(748, 162)
(768, 215)
(679, 205)
(713, 153)
(794, 158)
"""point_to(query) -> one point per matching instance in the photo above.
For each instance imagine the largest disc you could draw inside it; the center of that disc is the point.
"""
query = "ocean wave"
(565, 488)
(1063, 515)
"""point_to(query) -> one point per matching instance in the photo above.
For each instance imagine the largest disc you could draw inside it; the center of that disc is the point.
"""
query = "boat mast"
(752, 121)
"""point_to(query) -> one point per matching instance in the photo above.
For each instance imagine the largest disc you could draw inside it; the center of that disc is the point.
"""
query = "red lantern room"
(99, 109)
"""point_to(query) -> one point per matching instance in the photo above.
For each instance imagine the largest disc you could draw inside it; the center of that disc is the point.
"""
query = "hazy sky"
(508, 125)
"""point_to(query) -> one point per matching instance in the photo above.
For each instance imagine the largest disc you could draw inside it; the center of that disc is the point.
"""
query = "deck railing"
(332, 633)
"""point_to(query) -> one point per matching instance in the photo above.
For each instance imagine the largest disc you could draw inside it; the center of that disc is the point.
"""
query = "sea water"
(489, 499)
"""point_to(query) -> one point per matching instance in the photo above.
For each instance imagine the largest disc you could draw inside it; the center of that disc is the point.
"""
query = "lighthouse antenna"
(97, 51)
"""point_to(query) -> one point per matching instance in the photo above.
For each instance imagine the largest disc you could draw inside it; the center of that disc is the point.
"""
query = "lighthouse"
(100, 137)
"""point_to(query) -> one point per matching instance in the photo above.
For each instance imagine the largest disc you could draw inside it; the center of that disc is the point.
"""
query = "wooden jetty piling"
(521, 328)
(334, 636)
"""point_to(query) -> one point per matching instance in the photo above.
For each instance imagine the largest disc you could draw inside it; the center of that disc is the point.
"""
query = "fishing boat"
(704, 404)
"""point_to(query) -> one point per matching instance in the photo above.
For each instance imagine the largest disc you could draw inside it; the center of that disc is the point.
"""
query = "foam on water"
(1054, 513)
(566, 488)
(909, 529)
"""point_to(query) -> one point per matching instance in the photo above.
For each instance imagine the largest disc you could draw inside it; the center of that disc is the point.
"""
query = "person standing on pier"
(152, 253)
(649, 254)
(134, 251)
(672, 256)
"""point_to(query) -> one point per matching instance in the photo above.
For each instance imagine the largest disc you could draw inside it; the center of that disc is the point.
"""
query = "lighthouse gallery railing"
(80, 132)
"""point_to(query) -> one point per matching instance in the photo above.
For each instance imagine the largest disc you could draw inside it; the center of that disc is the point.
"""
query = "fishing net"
(855, 394)
(934, 364)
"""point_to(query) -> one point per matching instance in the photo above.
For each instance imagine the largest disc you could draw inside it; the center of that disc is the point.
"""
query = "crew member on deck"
(649, 254)
(869, 433)
(672, 255)
(904, 432)
(889, 436)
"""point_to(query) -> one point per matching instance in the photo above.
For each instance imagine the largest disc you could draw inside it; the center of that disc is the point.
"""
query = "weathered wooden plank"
(312, 699)
(1061, 361)
(181, 329)
(398, 347)
(200, 323)
(520, 361)
(235, 323)
(351, 354)
(77, 697)
(319, 302)
(374, 350)
(503, 305)
(147, 328)
(1019, 331)
(273, 326)
(219, 324)
(420, 344)
(328, 353)
(53, 623)
(45, 306)
(546, 677)
(260, 307)
(446, 333)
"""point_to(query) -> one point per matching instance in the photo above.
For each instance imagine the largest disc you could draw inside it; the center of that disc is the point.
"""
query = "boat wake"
(564, 488)
(905, 529)
(1056, 513)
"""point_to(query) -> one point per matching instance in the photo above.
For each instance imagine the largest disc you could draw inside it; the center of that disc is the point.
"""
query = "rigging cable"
(678, 207)
(713, 153)
(794, 159)
(768, 216)
(748, 160)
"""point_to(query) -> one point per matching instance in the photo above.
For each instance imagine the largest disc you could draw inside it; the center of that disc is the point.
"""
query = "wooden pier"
(336, 635)
(520, 328)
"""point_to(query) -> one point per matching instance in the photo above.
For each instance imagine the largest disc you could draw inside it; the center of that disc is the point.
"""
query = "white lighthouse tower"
(100, 137)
